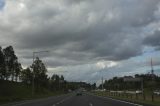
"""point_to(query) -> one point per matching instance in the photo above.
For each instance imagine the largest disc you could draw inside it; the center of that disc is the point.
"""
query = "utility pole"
(33, 76)
(33, 69)
(102, 83)
(153, 79)
(152, 70)
(142, 88)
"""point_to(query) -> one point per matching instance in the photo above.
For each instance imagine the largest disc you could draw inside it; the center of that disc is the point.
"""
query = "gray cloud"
(87, 27)
(78, 32)
(153, 40)
(98, 29)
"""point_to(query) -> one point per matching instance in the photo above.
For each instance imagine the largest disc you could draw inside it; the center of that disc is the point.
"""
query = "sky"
(86, 39)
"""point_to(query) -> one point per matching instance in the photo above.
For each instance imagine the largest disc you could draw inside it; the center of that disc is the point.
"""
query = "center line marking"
(90, 104)
(63, 100)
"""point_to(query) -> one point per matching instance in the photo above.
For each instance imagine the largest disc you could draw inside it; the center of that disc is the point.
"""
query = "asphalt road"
(73, 100)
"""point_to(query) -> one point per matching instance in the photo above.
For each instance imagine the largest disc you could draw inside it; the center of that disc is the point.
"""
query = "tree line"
(11, 70)
(150, 82)
(9, 65)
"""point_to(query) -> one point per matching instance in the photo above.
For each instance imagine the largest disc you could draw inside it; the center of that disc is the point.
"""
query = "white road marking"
(125, 102)
(21, 103)
(28, 101)
(17, 103)
(118, 100)
(62, 101)
(90, 104)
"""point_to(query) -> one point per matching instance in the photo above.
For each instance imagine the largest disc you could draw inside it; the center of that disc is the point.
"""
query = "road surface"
(73, 100)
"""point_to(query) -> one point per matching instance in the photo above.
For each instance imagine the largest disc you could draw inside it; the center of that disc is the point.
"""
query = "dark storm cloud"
(77, 31)
(82, 36)
(153, 40)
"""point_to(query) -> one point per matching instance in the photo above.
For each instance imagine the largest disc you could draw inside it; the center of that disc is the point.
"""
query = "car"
(156, 92)
(139, 92)
(79, 93)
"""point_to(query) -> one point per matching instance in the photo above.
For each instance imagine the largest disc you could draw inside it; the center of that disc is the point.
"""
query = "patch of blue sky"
(145, 61)
(2, 4)
(148, 53)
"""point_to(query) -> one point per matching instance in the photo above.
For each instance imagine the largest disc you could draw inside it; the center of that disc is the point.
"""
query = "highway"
(73, 100)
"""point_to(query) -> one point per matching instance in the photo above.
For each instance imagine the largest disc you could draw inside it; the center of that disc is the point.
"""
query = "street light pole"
(101, 79)
(33, 75)
(102, 83)
(33, 69)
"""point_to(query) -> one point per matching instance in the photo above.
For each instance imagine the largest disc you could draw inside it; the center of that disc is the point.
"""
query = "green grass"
(148, 99)
(13, 92)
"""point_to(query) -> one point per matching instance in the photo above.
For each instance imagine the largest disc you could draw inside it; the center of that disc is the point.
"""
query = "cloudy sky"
(87, 39)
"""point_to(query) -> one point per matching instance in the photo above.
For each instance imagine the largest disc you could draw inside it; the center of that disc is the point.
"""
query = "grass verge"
(14, 92)
(130, 98)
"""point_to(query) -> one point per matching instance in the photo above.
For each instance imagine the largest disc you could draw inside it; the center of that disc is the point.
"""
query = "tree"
(26, 76)
(9, 60)
(39, 72)
(93, 86)
(62, 78)
(55, 81)
(2, 64)
(18, 69)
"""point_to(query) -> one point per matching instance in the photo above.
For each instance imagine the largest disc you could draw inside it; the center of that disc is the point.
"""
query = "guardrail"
(129, 92)
(138, 94)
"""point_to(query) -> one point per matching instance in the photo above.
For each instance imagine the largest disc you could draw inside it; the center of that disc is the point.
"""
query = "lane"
(73, 100)
(41, 102)
(90, 100)
(101, 101)
(76, 101)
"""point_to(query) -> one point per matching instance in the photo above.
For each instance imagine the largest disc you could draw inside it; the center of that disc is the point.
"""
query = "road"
(73, 100)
